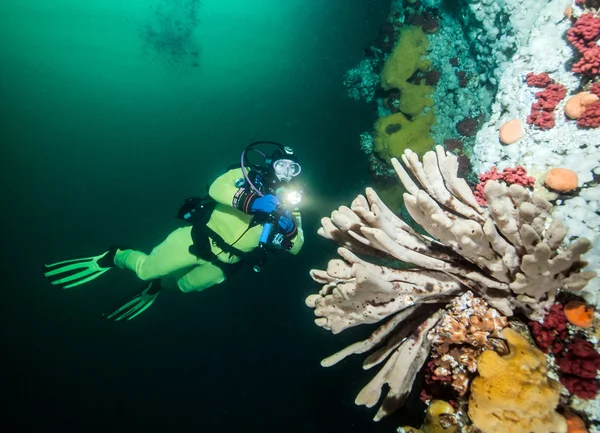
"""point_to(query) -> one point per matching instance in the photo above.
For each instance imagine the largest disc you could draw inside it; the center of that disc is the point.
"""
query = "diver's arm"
(224, 191)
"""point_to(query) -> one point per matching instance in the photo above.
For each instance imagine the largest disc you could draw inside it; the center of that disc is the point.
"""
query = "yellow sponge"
(513, 393)
(410, 128)
(433, 421)
(405, 59)
(415, 97)
(396, 132)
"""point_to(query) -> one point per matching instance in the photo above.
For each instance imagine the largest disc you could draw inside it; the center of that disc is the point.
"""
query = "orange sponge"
(511, 131)
(579, 314)
(513, 393)
(577, 104)
(561, 179)
(575, 424)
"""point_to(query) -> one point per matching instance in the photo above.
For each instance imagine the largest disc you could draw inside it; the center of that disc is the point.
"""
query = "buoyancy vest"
(197, 211)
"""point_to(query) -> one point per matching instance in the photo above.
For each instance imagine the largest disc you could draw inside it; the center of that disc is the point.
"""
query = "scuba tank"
(196, 209)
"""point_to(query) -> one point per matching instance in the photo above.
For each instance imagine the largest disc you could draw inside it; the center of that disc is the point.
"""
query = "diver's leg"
(161, 269)
(201, 277)
(170, 256)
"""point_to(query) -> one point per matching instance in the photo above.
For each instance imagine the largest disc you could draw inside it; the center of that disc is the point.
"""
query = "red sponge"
(590, 118)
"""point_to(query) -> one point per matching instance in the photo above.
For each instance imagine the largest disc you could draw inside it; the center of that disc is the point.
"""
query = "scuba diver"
(249, 210)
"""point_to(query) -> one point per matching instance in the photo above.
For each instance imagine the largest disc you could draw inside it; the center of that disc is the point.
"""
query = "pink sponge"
(508, 175)
(551, 334)
(584, 33)
(590, 118)
(578, 365)
(538, 80)
(542, 110)
(582, 388)
(589, 64)
(584, 36)
(580, 359)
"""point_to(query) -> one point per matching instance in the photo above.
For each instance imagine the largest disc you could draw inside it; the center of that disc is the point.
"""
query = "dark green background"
(102, 137)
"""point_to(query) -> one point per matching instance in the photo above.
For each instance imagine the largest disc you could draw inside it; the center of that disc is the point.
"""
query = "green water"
(108, 120)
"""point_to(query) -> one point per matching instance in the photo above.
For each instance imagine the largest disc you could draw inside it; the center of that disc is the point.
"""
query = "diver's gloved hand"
(286, 223)
(265, 204)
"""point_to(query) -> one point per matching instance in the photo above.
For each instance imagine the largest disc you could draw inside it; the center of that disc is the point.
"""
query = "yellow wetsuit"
(172, 262)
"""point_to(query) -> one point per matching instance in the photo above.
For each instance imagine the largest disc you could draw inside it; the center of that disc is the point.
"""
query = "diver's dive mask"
(280, 167)
(286, 169)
